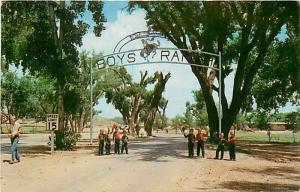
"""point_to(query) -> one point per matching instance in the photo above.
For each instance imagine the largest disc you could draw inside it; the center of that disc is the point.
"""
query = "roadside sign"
(52, 121)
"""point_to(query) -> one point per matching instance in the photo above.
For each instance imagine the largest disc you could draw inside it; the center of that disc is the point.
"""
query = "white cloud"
(124, 25)
(182, 81)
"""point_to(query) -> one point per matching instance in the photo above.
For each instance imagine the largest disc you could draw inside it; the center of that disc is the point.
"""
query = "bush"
(66, 140)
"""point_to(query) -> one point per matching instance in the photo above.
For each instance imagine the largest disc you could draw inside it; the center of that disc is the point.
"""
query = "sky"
(120, 24)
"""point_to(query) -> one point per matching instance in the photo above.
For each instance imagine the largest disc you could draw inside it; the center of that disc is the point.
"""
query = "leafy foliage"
(293, 120)
(134, 99)
(177, 121)
(277, 80)
(43, 37)
(66, 141)
(26, 96)
(243, 32)
(196, 112)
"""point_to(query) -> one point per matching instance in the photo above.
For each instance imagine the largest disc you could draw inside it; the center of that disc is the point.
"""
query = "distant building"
(278, 126)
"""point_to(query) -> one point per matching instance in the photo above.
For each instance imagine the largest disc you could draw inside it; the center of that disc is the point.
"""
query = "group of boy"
(201, 137)
(221, 145)
(120, 142)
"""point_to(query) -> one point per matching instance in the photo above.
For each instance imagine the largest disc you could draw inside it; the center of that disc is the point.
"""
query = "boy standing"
(107, 144)
(221, 144)
(117, 139)
(200, 145)
(101, 142)
(191, 142)
(231, 141)
(125, 140)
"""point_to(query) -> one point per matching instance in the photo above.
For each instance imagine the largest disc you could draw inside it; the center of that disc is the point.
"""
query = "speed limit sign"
(52, 121)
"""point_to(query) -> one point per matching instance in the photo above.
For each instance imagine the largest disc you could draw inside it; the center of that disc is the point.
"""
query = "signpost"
(52, 123)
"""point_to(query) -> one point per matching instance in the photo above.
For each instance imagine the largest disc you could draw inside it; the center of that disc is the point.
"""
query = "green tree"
(277, 80)
(77, 95)
(242, 31)
(160, 120)
(240, 120)
(43, 37)
(155, 99)
(198, 109)
(118, 120)
(293, 121)
(127, 96)
(188, 118)
(162, 112)
(27, 96)
(177, 122)
(134, 100)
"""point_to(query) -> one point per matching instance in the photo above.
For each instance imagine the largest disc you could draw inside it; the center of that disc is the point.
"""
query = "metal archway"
(157, 55)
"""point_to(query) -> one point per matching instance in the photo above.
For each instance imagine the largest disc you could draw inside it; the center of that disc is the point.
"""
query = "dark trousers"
(124, 146)
(191, 149)
(117, 146)
(101, 148)
(200, 145)
(232, 151)
(220, 148)
(107, 148)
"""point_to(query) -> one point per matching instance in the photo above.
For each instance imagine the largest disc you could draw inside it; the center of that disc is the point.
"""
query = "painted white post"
(220, 92)
(52, 141)
(91, 102)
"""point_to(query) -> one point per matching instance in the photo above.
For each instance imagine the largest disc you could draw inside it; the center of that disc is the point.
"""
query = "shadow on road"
(27, 151)
(256, 186)
(284, 172)
(160, 149)
(272, 152)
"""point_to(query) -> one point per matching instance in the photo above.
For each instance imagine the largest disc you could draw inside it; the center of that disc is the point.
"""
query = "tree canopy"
(43, 36)
(244, 33)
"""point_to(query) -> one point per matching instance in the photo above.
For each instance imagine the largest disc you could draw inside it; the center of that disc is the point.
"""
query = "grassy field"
(31, 127)
(261, 136)
(28, 127)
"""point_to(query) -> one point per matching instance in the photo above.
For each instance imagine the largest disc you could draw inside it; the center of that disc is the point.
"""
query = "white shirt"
(14, 128)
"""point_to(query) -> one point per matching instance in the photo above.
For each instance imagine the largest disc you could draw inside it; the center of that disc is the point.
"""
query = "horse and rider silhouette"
(149, 48)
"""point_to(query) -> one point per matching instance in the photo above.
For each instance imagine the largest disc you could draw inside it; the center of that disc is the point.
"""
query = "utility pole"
(91, 102)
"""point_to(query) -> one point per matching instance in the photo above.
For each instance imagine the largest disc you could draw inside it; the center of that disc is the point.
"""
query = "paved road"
(156, 164)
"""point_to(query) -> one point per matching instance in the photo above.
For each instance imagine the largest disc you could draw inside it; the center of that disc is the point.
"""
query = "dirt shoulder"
(156, 164)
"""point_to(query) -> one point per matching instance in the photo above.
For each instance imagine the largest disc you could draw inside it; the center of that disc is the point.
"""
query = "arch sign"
(151, 52)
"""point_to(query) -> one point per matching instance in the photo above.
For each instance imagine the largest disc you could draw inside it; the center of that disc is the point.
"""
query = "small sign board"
(52, 121)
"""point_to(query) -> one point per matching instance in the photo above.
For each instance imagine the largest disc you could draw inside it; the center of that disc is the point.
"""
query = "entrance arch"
(152, 53)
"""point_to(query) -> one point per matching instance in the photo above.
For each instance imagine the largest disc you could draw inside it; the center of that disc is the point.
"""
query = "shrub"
(66, 140)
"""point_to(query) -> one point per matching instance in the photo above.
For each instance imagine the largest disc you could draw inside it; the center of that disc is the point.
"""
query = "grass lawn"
(34, 129)
(28, 128)
(261, 136)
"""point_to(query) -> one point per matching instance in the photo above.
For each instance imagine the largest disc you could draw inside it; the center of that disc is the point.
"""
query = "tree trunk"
(134, 113)
(76, 127)
(209, 101)
(154, 102)
(58, 41)
(136, 104)
(81, 121)
(150, 121)
(66, 121)
(163, 117)
(61, 111)
(71, 120)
